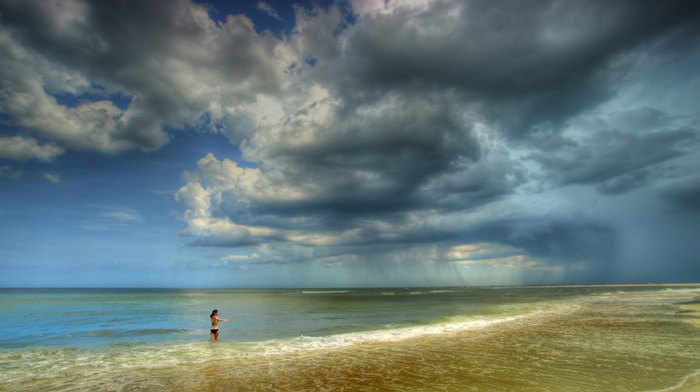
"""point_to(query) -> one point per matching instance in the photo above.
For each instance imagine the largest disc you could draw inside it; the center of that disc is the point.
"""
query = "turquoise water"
(496, 338)
(90, 318)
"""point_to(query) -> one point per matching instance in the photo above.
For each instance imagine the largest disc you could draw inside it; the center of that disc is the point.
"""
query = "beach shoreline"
(690, 384)
(519, 338)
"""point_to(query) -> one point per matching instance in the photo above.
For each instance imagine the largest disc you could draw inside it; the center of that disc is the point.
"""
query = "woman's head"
(214, 312)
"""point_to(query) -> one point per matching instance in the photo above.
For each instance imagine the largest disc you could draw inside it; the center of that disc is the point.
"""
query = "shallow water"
(482, 339)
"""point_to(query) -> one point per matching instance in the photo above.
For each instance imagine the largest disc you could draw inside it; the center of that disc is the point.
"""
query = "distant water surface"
(583, 338)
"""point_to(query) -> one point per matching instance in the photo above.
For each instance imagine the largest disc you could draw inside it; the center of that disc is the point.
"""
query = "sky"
(349, 143)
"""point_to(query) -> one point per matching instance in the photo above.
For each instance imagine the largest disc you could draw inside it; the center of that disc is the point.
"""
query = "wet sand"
(692, 311)
(693, 385)
(562, 352)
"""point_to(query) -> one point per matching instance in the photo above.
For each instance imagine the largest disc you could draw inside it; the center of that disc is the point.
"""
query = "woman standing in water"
(215, 324)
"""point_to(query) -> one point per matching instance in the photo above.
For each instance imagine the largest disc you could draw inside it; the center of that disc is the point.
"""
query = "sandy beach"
(693, 311)
(693, 383)
(581, 338)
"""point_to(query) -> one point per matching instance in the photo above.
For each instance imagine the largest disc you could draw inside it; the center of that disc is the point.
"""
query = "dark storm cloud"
(616, 161)
(683, 194)
(529, 63)
(124, 42)
(424, 123)
(558, 238)
(377, 126)
(377, 159)
(516, 65)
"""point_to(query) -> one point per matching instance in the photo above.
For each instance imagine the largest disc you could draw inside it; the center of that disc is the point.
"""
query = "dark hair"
(213, 312)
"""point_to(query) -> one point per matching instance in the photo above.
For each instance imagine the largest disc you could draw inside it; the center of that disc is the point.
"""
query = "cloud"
(18, 148)
(596, 160)
(168, 58)
(682, 193)
(102, 218)
(337, 157)
(376, 131)
(351, 186)
(27, 100)
(267, 9)
(481, 251)
(404, 132)
(524, 81)
(172, 73)
(122, 216)
(512, 262)
(17, 174)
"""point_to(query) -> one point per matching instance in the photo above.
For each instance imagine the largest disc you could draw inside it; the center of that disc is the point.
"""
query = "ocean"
(568, 338)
